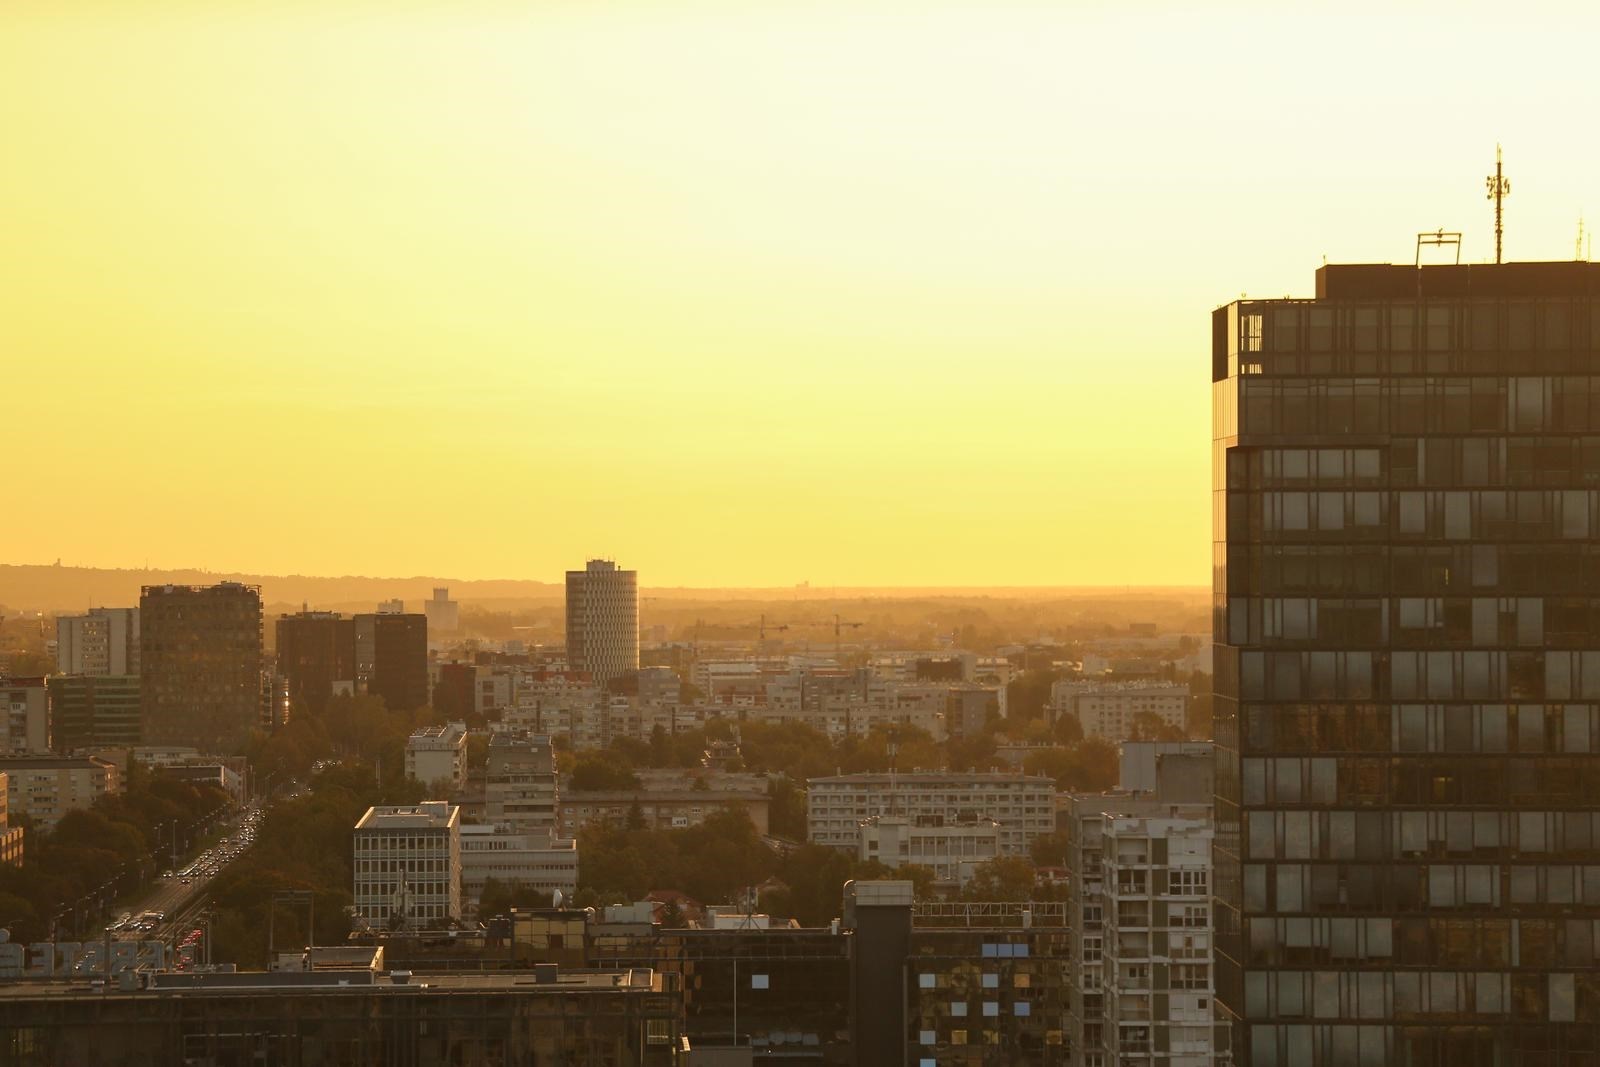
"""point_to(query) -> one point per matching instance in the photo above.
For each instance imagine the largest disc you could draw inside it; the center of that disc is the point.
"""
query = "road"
(173, 896)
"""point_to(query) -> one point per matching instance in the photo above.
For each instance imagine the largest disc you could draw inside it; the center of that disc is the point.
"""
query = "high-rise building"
(94, 711)
(316, 656)
(1407, 677)
(603, 620)
(520, 788)
(200, 659)
(105, 641)
(392, 658)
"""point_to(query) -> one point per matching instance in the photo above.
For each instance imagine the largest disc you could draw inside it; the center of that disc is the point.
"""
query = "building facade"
(46, 788)
(316, 656)
(408, 866)
(1023, 805)
(951, 851)
(603, 620)
(438, 754)
(531, 859)
(11, 837)
(1113, 711)
(104, 641)
(1408, 667)
(95, 711)
(26, 704)
(521, 790)
(392, 658)
(200, 664)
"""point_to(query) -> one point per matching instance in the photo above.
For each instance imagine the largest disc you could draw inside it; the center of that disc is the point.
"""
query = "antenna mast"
(1499, 189)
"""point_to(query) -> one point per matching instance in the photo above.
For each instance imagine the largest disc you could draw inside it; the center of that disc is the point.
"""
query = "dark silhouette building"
(1406, 502)
(94, 711)
(200, 659)
(392, 658)
(316, 656)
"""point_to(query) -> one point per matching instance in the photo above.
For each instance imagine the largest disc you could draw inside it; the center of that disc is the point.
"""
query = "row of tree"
(102, 855)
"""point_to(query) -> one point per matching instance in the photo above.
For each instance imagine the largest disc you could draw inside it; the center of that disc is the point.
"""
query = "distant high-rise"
(316, 656)
(443, 613)
(392, 658)
(1407, 677)
(200, 659)
(103, 642)
(603, 620)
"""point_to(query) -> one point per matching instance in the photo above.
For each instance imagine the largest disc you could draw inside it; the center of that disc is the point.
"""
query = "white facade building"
(408, 865)
(442, 612)
(951, 851)
(46, 788)
(25, 703)
(603, 620)
(104, 641)
(1023, 805)
(438, 754)
(535, 860)
(1108, 710)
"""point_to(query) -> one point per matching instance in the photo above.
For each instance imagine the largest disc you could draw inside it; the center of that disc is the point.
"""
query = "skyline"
(742, 297)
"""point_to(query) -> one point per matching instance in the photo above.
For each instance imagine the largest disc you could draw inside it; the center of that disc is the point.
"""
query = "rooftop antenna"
(1499, 189)
(1578, 251)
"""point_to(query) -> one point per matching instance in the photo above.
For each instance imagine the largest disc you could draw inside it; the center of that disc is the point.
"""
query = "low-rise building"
(438, 754)
(668, 799)
(1023, 805)
(408, 865)
(46, 788)
(531, 859)
(951, 850)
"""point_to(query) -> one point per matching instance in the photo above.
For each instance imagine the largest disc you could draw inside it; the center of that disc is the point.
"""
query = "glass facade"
(1406, 502)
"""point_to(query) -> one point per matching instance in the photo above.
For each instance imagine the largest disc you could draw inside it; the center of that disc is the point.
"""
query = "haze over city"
(746, 293)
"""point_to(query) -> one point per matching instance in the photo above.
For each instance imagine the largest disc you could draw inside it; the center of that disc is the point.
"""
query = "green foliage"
(1002, 878)
(786, 807)
(607, 769)
(115, 841)
(1028, 693)
(1050, 850)
(711, 862)
(498, 898)
(1087, 767)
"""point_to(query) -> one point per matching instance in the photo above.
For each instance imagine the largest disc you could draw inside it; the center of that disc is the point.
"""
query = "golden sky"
(737, 293)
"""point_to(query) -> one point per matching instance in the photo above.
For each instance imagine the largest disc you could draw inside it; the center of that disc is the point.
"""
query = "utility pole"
(1499, 188)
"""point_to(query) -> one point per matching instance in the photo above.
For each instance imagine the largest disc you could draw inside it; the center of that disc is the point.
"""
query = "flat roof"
(255, 983)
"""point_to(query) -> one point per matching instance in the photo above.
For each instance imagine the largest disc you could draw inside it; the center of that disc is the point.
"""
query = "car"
(185, 880)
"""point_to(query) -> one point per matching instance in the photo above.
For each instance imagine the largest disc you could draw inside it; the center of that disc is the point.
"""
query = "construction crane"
(777, 626)
(838, 626)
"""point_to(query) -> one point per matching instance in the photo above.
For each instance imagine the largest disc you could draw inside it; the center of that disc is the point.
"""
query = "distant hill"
(64, 589)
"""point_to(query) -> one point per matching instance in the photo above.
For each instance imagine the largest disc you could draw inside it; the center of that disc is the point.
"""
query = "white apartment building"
(1107, 710)
(951, 851)
(520, 788)
(603, 620)
(408, 865)
(535, 860)
(103, 642)
(1023, 805)
(1157, 970)
(438, 754)
(46, 788)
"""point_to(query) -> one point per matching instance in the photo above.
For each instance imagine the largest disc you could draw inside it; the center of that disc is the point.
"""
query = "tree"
(1028, 693)
(604, 770)
(635, 816)
(498, 898)
(1002, 878)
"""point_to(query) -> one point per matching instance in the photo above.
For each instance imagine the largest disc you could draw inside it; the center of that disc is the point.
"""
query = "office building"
(319, 1016)
(438, 754)
(1408, 667)
(1113, 711)
(603, 620)
(444, 614)
(407, 862)
(316, 657)
(520, 785)
(200, 664)
(531, 859)
(46, 788)
(392, 658)
(1023, 805)
(10, 836)
(95, 711)
(104, 641)
(26, 704)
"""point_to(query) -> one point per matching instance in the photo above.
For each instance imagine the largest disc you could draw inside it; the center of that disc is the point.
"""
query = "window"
(925, 980)
(929, 1038)
(991, 1009)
